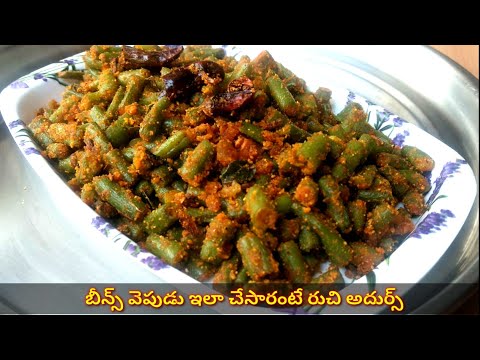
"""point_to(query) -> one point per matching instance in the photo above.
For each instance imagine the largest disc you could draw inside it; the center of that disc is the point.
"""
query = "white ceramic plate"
(450, 199)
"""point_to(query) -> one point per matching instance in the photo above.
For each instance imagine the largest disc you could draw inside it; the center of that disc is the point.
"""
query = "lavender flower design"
(19, 85)
(151, 261)
(398, 121)
(428, 176)
(399, 139)
(69, 62)
(386, 113)
(448, 170)
(15, 123)
(382, 118)
(106, 229)
(350, 97)
(132, 248)
(154, 262)
(433, 222)
(102, 225)
(38, 76)
(45, 76)
(98, 222)
(31, 150)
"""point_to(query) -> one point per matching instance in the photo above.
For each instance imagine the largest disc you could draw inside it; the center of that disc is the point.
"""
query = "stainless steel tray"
(415, 82)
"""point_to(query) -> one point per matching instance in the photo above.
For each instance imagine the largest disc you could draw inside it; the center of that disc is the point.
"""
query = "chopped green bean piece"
(120, 198)
(160, 220)
(283, 97)
(313, 152)
(216, 246)
(293, 262)
(357, 210)
(119, 167)
(151, 124)
(256, 257)
(170, 148)
(417, 180)
(283, 204)
(337, 248)
(170, 251)
(414, 202)
(419, 159)
(197, 163)
(308, 240)
(252, 131)
(261, 210)
(366, 257)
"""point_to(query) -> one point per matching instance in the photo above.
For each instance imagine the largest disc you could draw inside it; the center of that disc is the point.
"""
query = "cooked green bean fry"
(232, 169)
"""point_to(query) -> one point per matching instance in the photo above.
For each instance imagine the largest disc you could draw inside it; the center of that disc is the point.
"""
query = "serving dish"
(436, 230)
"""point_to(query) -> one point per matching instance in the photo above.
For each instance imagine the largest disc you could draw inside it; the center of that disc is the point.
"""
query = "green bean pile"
(231, 169)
